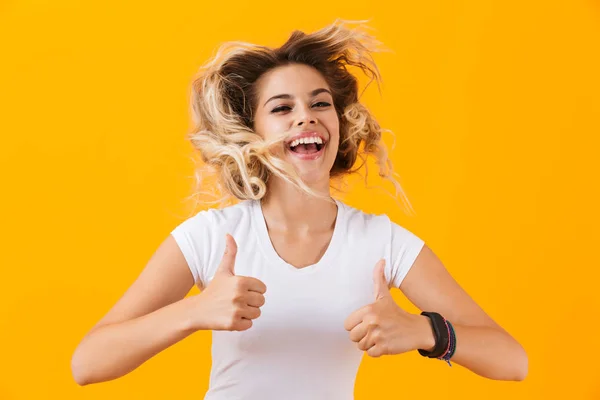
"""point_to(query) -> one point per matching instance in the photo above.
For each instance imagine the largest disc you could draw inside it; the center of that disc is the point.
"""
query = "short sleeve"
(405, 246)
(191, 237)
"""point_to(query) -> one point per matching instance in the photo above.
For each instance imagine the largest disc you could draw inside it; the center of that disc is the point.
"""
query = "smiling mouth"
(306, 148)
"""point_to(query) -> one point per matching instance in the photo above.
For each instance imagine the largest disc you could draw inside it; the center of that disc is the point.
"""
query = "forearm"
(486, 351)
(111, 351)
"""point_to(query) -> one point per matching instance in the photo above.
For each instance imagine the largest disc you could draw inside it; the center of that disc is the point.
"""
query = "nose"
(306, 121)
(306, 118)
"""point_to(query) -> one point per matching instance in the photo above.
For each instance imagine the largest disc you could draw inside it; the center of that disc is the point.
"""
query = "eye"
(324, 104)
(280, 108)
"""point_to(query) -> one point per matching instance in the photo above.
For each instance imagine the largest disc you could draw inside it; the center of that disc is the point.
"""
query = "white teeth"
(307, 140)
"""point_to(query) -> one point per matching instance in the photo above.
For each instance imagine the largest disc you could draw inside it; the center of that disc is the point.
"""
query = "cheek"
(333, 127)
(269, 127)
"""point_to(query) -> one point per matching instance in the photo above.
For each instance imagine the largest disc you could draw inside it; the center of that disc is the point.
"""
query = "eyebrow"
(288, 96)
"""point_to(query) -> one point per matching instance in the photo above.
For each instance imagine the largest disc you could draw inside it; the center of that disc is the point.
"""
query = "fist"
(382, 327)
(229, 302)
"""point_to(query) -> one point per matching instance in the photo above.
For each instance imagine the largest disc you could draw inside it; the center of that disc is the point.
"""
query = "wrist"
(192, 316)
(427, 335)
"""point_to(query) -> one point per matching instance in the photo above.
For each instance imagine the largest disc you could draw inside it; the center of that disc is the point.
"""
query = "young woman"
(294, 283)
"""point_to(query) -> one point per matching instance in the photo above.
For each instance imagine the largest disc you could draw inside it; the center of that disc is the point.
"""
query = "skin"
(292, 232)
(301, 112)
(380, 328)
(154, 313)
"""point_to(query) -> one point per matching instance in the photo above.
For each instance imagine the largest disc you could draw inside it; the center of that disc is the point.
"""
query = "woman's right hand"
(229, 302)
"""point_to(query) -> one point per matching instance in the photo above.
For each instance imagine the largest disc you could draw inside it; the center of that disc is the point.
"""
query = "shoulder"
(230, 214)
(361, 221)
(201, 236)
(233, 212)
(216, 219)
(379, 225)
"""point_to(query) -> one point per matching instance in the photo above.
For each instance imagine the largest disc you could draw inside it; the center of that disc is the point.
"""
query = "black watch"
(440, 332)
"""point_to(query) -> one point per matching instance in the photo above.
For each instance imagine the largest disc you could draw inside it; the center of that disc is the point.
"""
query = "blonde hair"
(224, 98)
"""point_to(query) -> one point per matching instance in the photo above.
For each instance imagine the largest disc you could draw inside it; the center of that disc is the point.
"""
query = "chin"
(312, 170)
(313, 179)
(315, 175)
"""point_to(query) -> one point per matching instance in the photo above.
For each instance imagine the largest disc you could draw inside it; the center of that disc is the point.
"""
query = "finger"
(228, 260)
(356, 317)
(255, 285)
(377, 350)
(380, 283)
(367, 341)
(243, 324)
(255, 299)
(359, 331)
(250, 312)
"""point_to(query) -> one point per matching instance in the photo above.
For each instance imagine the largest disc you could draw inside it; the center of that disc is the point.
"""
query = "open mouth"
(307, 148)
(307, 145)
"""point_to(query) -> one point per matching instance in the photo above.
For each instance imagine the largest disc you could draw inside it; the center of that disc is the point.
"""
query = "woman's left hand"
(383, 328)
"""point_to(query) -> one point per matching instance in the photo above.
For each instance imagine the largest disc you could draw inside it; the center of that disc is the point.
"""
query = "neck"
(288, 209)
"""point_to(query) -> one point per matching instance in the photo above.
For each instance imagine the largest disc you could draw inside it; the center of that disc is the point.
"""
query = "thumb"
(381, 285)
(228, 261)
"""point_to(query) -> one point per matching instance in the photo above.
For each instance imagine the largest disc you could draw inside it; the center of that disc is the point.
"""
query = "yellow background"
(496, 108)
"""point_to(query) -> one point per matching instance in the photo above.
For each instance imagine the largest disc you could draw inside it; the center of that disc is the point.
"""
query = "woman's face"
(295, 101)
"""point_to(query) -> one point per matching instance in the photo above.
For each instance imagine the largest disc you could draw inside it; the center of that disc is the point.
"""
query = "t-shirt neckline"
(260, 227)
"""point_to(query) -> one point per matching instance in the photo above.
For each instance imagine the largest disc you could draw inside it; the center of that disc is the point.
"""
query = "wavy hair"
(224, 99)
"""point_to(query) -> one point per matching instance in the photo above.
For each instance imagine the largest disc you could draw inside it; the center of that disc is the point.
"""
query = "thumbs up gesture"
(229, 302)
(382, 327)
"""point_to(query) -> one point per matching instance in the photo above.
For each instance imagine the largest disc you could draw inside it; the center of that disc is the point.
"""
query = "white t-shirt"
(298, 347)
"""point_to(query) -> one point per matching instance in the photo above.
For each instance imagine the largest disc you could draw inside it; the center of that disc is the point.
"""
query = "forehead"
(294, 79)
